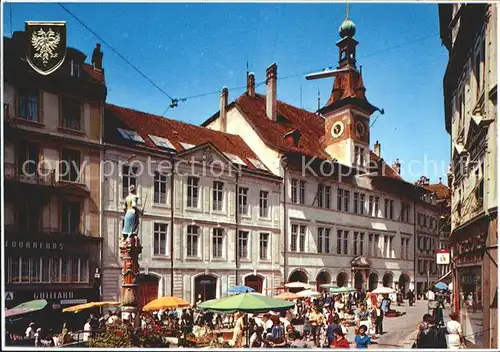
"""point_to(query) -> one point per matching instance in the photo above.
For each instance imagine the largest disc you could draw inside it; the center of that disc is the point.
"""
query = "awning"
(445, 278)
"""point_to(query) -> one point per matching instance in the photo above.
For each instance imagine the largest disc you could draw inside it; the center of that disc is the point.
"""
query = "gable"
(209, 156)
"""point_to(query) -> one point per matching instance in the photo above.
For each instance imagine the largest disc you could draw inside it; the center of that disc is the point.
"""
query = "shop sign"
(9, 296)
(53, 295)
(74, 301)
(443, 256)
(34, 245)
(471, 279)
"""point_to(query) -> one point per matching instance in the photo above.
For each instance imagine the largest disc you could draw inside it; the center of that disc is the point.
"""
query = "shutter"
(231, 199)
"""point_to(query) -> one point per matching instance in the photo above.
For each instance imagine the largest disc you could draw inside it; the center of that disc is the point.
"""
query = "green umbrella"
(26, 307)
(247, 303)
(339, 290)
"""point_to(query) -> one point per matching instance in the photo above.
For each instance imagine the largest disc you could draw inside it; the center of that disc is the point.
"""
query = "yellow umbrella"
(287, 295)
(89, 305)
(166, 302)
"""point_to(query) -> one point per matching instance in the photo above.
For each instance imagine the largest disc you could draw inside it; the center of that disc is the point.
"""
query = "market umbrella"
(340, 290)
(80, 307)
(26, 307)
(241, 289)
(297, 284)
(441, 286)
(308, 293)
(383, 290)
(247, 303)
(287, 295)
(165, 303)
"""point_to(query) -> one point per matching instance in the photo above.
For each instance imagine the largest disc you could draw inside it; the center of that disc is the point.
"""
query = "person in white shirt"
(87, 329)
(30, 331)
(430, 295)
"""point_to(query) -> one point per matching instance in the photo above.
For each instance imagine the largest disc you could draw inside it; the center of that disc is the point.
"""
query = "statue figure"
(131, 218)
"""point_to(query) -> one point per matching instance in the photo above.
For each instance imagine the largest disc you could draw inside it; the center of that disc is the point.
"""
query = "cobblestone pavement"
(399, 332)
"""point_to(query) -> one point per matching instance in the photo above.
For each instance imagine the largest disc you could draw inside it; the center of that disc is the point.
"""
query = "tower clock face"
(360, 129)
(337, 129)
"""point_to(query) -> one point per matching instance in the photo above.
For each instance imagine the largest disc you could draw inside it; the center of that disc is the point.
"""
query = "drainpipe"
(237, 219)
(415, 250)
(101, 211)
(285, 224)
(172, 175)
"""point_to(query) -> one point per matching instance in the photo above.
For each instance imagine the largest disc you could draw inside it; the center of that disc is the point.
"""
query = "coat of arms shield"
(46, 45)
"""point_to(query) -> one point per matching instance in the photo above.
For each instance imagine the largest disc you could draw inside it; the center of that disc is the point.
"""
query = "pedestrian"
(330, 332)
(455, 338)
(317, 321)
(38, 337)
(379, 319)
(87, 330)
(340, 341)
(30, 331)
(430, 336)
(362, 340)
(411, 297)
(363, 317)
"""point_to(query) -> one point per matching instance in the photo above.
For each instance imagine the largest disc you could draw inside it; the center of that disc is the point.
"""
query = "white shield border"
(54, 23)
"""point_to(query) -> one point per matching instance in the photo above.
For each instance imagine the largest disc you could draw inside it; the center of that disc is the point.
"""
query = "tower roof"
(347, 29)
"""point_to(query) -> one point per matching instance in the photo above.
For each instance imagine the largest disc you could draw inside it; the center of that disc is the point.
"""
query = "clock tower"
(347, 112)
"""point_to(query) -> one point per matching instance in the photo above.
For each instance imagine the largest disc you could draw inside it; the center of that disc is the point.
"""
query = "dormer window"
(74, 69)
(359, 158)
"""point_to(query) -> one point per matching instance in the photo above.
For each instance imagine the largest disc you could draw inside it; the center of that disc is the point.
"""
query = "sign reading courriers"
(46, 46)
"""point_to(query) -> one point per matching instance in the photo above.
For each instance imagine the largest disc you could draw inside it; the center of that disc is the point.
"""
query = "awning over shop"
(445, 278)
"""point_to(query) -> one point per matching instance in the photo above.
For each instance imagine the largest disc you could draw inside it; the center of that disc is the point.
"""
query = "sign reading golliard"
(46, 49)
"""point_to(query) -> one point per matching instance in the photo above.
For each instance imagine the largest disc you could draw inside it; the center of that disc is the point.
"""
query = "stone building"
(52, 137)
(209, 225)
(469, 32)
(349, 217)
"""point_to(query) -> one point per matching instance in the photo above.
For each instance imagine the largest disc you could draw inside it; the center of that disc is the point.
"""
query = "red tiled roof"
(175, 131)
(97, 76)
(441, 190)
(388, 171)
(274, 133)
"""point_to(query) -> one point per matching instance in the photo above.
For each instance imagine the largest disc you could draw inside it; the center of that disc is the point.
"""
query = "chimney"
(271, 105)
(376, 149)
(97, 55)
(251, 84)
(397, 166)
(223, 109)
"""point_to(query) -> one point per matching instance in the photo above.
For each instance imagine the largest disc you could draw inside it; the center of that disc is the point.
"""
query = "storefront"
(59, 268)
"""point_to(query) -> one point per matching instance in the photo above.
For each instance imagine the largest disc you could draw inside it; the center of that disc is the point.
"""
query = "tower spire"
(347, 11)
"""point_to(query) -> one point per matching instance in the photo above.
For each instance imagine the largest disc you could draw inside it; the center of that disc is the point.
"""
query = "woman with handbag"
(455, 338)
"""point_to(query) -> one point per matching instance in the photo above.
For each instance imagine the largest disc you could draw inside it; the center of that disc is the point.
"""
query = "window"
(323, 240)
(264, 204)
(35, 270)
(192, 192)
(295, 198)
(160, 239)
(192, 240)
(346, 239)
(370, 205)
(66, 270)
(243, 244)
(347, 198)
(355, 244)
(243, 200)
(294, 238)
(324, 196)
(160, 188)
(56, 270)
(70, 216)
(71, 113)
(263, 246)
(71, 166)
(361, 243)
(356, 202)
(27, 104)
(477, 74)
(385, 248)
(28, 157)
(386, 208)
(340, 193)
(84, 270)
(339, 241)
(217, 195)
(129, 178)
(131, 135)
(74, 69)
(302, 192)
(405, 212)
(361, 203)
(75, 270)
(45, 269)
(359, 156)
(389, 254)
(302, 238)
(217, 242)
(376, 207)
(391, 209)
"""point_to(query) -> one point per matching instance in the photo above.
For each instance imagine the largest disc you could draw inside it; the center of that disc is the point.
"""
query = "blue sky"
(192, 49)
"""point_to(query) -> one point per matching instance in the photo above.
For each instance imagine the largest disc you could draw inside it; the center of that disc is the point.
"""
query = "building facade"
(211, 208)
(52, 189)
(349, 217)
(469, 32)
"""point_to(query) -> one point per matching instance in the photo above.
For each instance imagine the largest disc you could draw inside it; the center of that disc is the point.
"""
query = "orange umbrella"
(287, 295)
(80, 307)
(165, 303)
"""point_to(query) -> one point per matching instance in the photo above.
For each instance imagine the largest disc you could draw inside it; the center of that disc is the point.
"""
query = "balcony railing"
(37, 176)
